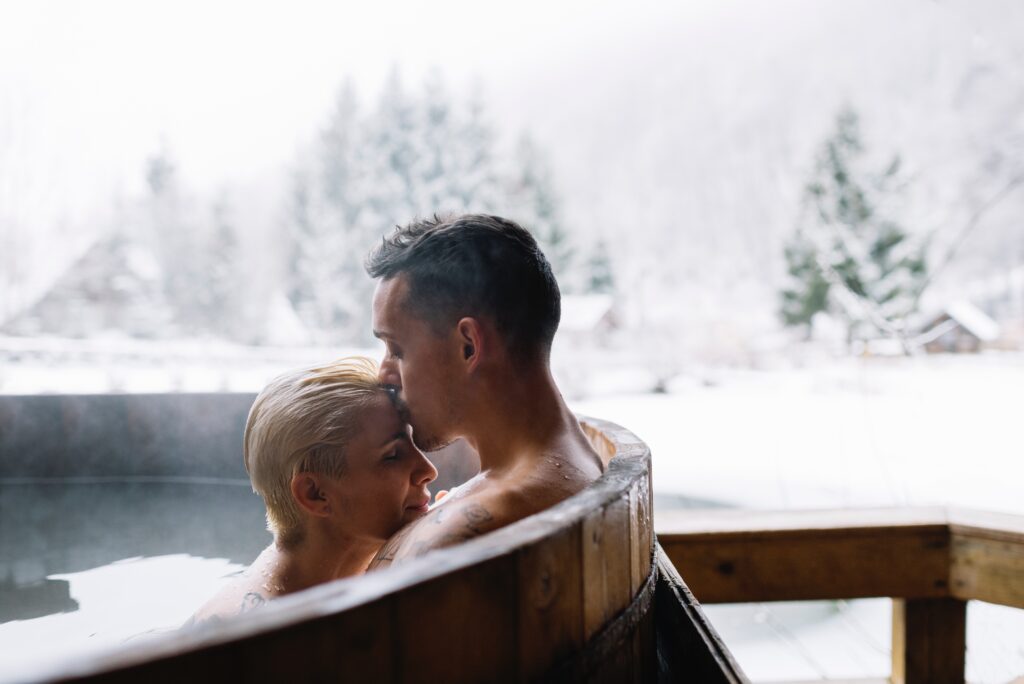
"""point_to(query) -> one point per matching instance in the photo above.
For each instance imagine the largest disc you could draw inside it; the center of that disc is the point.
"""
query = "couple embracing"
(467, 308)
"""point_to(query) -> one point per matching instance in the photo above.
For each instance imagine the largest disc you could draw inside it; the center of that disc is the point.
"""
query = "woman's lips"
(419, 508)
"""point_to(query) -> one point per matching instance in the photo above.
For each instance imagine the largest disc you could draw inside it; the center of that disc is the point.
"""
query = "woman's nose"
(425, 471)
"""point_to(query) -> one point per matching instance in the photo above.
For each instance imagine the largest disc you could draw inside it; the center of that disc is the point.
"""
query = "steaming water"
(90, 564)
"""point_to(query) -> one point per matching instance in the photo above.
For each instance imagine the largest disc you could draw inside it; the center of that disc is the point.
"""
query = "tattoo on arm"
(251, 600)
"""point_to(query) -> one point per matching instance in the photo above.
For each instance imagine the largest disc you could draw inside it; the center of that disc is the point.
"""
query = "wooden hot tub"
(580, 592)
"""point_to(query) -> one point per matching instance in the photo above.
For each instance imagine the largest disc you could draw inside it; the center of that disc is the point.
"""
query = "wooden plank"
(813, 564)
(606, 564)
(987, 568)
(929, 641)
(550, 602)
(607, 561)
(645, 522)
(636, 552)
(688, 647)
(352, 646)
(461, 627)
(645, 655)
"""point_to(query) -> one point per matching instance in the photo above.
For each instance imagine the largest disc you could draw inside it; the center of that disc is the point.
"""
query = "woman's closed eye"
(396, 451)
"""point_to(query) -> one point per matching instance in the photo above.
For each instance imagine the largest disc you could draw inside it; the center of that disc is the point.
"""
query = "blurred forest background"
(713, 186)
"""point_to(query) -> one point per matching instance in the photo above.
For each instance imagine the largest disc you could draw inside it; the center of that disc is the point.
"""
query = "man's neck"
(519, 416)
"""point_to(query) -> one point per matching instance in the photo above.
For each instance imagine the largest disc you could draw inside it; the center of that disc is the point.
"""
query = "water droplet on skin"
(566, 477)
(558, 465)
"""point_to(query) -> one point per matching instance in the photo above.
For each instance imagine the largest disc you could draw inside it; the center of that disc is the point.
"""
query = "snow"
(861, 432)
(582, 313)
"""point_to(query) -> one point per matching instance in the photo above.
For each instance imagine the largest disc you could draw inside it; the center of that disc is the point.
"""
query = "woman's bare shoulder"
(246, 592)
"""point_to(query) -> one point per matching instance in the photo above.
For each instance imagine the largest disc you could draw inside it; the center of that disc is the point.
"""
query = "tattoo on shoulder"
(251, 600)
(440, 515)
(477, 517)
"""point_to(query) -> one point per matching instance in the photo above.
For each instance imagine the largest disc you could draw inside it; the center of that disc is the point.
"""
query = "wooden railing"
(931, 561)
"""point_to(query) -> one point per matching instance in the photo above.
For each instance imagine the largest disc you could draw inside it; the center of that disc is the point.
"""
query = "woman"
(332, 458)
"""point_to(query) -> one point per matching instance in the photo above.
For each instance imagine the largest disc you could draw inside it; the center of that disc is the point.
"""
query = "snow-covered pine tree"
(174, 241)
(600, 278)
(849, 256)
(533, 202)
(328, 204)
(473, 162)
(224, 306)
(412, 156)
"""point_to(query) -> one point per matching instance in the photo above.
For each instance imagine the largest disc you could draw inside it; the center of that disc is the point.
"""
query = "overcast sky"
(233, 87)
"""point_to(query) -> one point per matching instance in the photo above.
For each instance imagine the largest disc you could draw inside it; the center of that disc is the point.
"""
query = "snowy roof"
(583, 312)
(973, 319)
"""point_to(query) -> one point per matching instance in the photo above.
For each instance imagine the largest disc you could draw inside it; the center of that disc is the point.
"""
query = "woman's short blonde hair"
(301, 422)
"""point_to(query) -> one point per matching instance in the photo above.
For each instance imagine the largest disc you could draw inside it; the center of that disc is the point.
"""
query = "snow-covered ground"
(860, 432)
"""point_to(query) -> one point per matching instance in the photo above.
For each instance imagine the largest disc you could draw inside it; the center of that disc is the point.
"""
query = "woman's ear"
(471, 338)
(310, 496)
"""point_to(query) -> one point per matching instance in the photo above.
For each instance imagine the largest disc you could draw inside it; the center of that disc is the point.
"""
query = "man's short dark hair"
(475, 265)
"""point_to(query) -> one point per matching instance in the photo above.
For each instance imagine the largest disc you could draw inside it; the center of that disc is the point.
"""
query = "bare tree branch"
(972, 224)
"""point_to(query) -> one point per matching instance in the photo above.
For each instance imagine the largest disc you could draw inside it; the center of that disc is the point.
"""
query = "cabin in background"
(960, 328)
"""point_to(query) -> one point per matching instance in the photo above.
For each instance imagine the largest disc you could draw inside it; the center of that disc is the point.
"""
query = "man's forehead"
(387, 304)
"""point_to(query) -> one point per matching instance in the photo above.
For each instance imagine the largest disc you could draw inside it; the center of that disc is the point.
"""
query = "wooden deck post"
(928, 641)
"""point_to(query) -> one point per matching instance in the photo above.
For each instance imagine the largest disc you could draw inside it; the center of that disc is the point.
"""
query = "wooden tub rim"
(629, 464)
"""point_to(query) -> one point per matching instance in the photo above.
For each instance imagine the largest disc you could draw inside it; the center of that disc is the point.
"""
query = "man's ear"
(472, 339)
(309, 495)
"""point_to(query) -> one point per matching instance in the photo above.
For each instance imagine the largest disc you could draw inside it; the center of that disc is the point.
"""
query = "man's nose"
(389, 374)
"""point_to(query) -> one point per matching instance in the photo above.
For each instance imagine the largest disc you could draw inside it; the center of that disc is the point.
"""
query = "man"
(467, 308)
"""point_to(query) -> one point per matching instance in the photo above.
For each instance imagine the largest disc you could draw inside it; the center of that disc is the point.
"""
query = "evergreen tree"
(600, 279)
(534, 204)
(173, 242)
(850, 257)
(413, 156)
(222, 303)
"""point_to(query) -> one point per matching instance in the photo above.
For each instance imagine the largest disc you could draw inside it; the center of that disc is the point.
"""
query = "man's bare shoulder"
(452, 522)
(482, 506)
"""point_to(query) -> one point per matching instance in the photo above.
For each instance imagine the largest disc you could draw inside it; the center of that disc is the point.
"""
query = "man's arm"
(447, 525)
